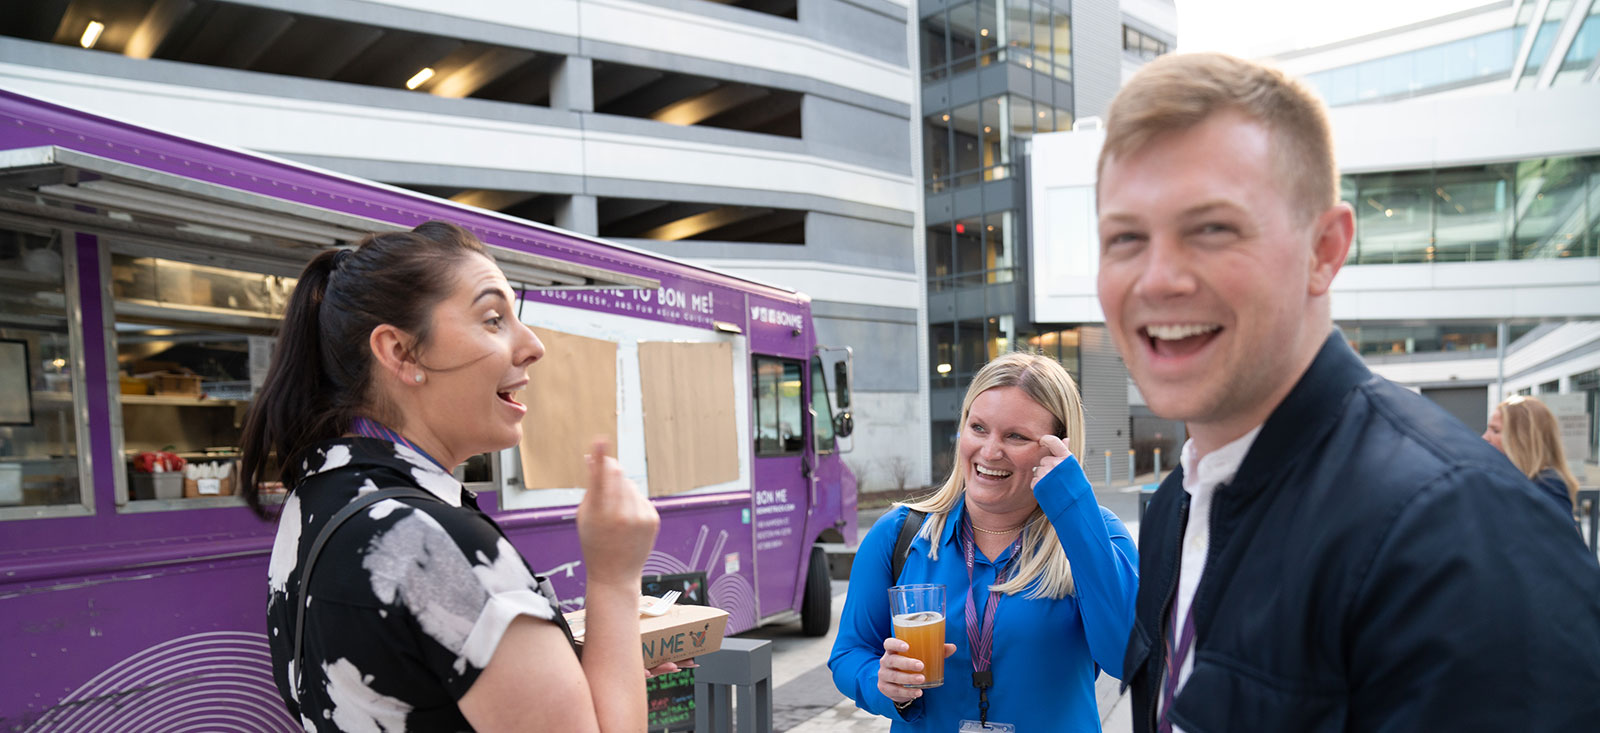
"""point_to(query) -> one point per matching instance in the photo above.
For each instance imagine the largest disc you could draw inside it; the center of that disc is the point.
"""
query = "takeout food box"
(682, 632)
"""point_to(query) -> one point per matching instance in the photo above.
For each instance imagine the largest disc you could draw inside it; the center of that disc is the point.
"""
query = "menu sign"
(670, 701)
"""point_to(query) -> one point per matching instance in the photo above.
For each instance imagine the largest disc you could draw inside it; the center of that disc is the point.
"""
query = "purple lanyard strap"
(369, 428)
(981, 640)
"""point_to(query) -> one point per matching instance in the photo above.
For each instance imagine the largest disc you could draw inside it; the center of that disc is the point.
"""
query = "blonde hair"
(1179, 91)
(1532, 440)
(1041, 562)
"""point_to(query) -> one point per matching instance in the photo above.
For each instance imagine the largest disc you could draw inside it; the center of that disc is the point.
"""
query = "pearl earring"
(417, 378)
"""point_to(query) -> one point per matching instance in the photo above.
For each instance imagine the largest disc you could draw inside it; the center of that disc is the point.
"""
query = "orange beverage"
(924, 631)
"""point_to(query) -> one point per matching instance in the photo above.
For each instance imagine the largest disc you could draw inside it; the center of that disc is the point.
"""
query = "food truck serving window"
(41, 387)
(192, 344)
(191, 347)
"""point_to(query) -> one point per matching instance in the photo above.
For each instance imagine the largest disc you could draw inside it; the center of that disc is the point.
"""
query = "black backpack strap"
(349, 510)
(902, 546)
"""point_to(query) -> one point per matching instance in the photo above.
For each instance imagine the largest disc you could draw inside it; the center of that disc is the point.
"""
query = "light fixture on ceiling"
(986, 128)
(946, 118)
(984, 32)
(944, 368)
(91, 34)
(420, 78)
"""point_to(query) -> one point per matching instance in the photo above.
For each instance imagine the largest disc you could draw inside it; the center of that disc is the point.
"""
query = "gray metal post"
(1130, 466)
(1108, 468)
(1158, 465)
(741, 671)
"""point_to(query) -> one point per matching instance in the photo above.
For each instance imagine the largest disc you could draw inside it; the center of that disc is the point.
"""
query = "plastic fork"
(659, 606)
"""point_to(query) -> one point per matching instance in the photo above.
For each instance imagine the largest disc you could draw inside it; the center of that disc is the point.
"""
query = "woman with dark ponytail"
(397, 361)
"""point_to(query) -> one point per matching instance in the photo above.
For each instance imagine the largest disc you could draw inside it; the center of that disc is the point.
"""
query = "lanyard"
(981, 640)
(369, 428)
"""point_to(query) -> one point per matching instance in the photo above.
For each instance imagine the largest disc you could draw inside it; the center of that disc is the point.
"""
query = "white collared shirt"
(1201, 481)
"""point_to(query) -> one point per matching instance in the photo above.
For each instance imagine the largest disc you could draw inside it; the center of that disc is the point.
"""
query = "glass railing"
(1040, 60)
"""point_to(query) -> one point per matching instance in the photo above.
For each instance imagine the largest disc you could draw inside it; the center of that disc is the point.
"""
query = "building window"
(1588, 384)
(977, 33)
(1535, 209)
(1141, 44)
(975, 143)
(1389, 340)
(1059, 345)
(40, 378)
(1459, 63)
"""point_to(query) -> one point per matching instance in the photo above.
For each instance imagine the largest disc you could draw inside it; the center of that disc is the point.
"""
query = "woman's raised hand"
(1056, 452)
(616, 524)
(896, 671)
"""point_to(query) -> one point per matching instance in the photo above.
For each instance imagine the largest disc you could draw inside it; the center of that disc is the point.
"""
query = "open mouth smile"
(991, 472)
(1174, 340)
(507, 394)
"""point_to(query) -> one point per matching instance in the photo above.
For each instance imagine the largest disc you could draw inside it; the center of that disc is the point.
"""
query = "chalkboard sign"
(670, 701)
(670, 697)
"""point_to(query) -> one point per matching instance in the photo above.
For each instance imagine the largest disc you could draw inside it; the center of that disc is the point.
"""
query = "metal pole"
(1501, 333)
(1158, 465)
(1108, 468)
(1130, 466)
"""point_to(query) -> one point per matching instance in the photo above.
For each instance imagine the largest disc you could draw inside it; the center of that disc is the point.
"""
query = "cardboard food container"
(207, 487)
(680, 633)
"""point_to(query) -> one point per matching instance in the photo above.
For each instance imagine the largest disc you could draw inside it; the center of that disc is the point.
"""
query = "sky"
(1254, 28)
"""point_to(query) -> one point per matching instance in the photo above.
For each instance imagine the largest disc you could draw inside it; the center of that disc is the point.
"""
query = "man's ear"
(1333, 231)
(391, 351)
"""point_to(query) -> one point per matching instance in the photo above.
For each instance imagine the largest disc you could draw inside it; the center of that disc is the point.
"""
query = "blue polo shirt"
(1047, 653)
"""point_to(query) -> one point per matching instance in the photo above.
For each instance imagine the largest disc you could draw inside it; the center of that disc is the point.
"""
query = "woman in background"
(1524, 429)
(1039, 579)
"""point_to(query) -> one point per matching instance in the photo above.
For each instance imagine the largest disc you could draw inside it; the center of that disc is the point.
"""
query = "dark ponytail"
(321, 372)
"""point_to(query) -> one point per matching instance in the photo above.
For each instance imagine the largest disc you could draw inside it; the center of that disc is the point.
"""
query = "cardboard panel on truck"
(571, 398)
(690, 438)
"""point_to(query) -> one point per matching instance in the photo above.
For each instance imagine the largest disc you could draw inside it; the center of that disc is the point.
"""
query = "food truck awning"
(156, 212)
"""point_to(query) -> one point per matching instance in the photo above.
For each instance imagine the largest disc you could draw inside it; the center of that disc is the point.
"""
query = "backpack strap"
(349, 510)
(902, 546)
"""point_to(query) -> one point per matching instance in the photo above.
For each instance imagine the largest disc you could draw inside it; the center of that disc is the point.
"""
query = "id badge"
(973, 726)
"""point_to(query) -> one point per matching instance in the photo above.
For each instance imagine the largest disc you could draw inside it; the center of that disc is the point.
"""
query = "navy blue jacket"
(1374, 566)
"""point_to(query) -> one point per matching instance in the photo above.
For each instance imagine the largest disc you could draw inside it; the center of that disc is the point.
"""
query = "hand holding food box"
(680, 633)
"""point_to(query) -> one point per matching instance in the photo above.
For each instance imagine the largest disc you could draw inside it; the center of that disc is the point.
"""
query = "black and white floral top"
(409, 598)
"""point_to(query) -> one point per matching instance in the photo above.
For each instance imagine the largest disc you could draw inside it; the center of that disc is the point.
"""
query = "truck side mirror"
(844, 424)
(841, 385)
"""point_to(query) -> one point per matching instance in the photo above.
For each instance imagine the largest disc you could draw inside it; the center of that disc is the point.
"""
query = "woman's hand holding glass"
(895, 671)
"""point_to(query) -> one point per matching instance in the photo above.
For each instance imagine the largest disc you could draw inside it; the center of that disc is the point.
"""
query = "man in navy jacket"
(1336, 553)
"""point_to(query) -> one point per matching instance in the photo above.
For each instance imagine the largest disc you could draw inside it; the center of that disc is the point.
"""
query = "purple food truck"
(142, 276)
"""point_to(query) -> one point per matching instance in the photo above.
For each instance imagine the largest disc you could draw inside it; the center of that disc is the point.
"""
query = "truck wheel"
(816, 608)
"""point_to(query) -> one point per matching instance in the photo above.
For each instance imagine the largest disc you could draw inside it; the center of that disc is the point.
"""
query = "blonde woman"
(1027, 558)
(1524, 429)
